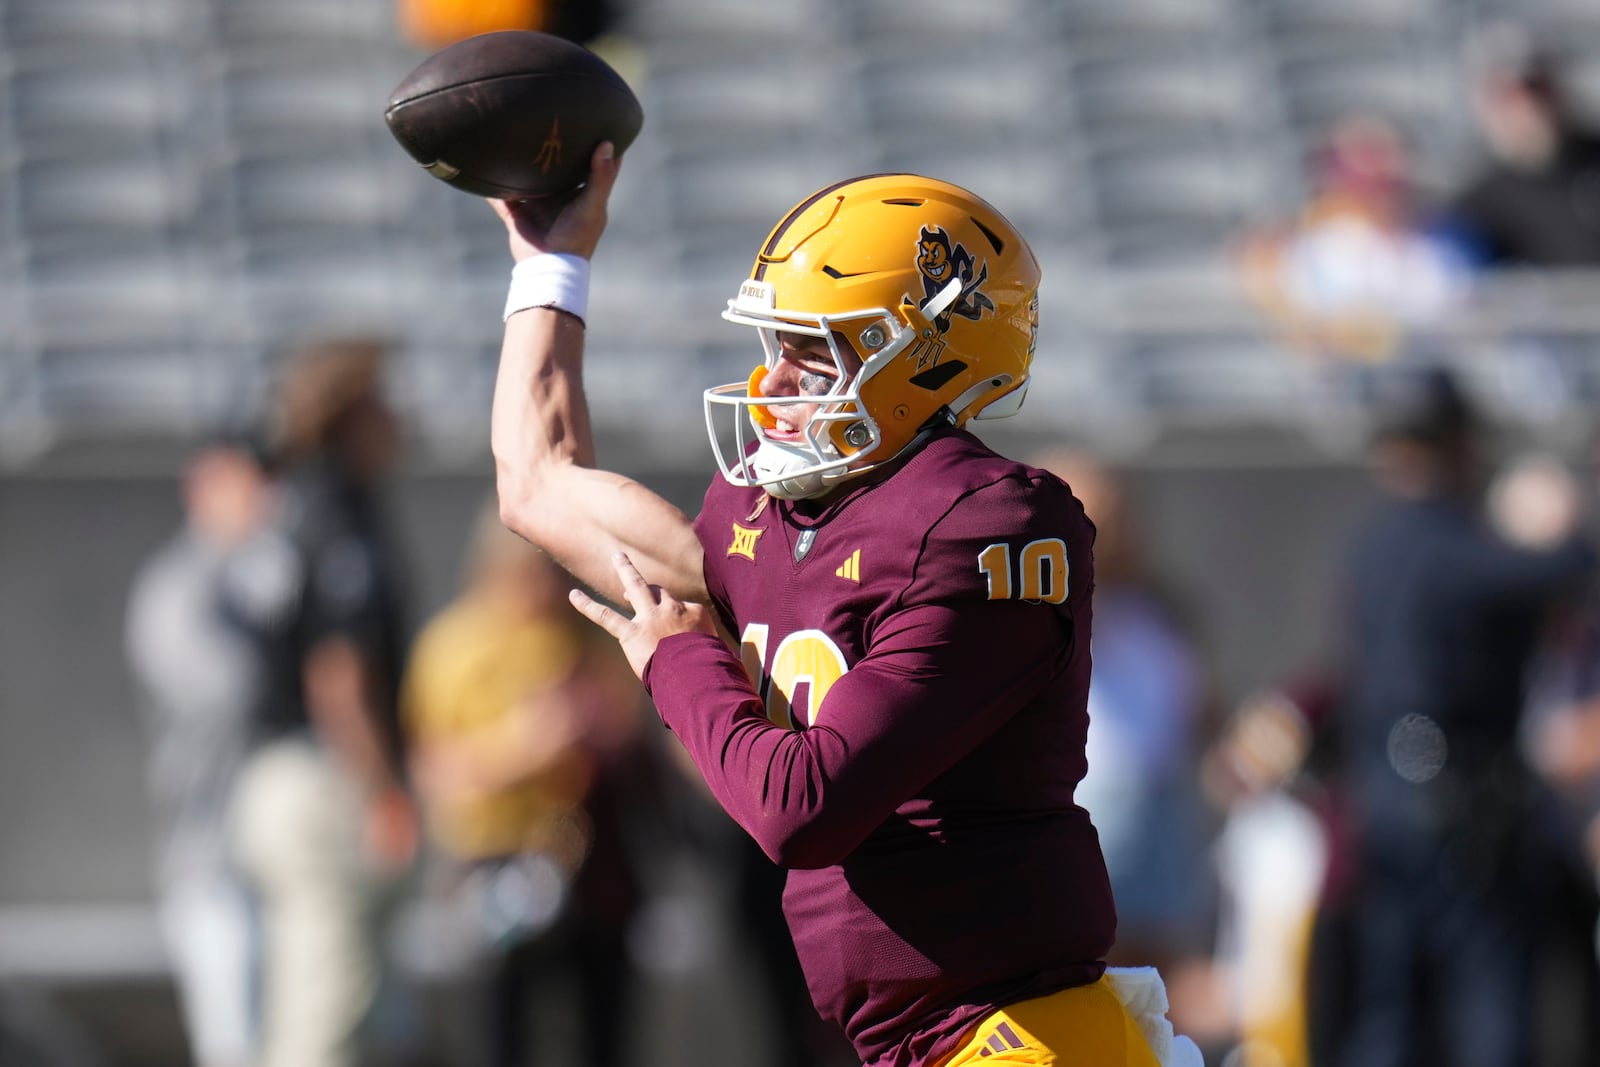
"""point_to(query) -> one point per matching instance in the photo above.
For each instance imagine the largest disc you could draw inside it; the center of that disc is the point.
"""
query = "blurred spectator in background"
(528, 751)
(1441, 618)
(199, 676)
(1364, 267)
(327, 827)
(1282, 858)
(1562, 735)
(1535, 201)
(793, 1034)
(1147, 713)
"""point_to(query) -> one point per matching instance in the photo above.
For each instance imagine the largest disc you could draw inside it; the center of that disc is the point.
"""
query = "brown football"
(512, 114)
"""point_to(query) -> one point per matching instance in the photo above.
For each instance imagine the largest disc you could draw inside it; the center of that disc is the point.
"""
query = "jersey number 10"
(1040, 571)
(804, 667)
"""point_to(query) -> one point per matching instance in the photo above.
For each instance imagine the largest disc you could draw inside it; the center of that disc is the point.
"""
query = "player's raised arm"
(550, 492)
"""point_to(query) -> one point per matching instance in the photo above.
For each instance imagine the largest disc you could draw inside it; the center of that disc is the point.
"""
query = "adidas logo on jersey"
(850, 569)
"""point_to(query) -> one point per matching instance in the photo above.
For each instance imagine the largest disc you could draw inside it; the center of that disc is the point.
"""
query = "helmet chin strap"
(772, 460)
(771, 463)
(960, 403)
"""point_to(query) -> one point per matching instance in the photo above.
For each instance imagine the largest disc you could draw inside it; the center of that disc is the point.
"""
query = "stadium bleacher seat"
(1090, 25)
(1155, 92)
(910, 25)
(312, 22)
(76, 211)
(29, 24)
(81, 97)
(308, 101)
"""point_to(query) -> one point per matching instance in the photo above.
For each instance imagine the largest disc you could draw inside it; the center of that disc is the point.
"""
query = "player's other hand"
(657, 615)
(569, 224)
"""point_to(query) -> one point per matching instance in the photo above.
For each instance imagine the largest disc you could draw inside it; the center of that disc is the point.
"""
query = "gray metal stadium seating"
(212, 177)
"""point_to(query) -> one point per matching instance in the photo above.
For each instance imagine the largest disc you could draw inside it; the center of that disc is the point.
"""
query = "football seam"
(395, 105)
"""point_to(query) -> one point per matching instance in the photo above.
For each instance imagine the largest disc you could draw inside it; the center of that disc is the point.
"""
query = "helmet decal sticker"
(940, 259)
(933, 255)
(934, 378)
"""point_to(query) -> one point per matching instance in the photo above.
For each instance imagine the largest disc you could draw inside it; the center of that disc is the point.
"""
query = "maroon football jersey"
(913, 736)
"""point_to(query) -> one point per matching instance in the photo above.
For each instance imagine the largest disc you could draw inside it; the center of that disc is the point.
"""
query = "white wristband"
(552, 280)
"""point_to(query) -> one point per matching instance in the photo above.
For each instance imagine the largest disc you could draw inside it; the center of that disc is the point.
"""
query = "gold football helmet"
(935, 293)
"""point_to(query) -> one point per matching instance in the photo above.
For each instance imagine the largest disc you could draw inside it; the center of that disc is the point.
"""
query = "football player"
(898, 715)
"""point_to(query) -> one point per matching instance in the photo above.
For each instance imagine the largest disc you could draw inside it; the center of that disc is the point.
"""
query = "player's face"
(805, 368)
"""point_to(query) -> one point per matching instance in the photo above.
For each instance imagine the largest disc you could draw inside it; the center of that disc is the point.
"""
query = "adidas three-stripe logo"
(1003, 1039)
(850, 569)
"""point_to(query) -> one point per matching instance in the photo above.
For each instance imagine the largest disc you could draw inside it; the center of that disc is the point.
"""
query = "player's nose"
(782, 380)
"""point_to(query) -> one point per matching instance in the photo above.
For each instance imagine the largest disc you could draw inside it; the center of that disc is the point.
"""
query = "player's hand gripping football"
(657, 615)
(566, 224)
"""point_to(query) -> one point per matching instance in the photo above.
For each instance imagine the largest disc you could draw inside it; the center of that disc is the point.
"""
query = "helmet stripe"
(782, 228)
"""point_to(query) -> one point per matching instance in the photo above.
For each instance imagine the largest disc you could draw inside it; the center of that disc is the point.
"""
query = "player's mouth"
(789, 421)
(784, 431)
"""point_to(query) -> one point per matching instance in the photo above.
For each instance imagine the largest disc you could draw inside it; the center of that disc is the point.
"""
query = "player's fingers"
(634, 587)
(608, 619)
(603, 168)
(604, 164)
